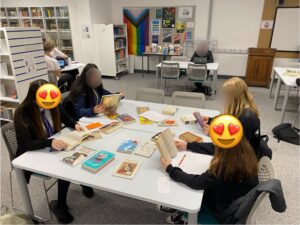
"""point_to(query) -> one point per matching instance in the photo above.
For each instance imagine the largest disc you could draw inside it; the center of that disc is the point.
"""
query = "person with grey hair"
(202, 51)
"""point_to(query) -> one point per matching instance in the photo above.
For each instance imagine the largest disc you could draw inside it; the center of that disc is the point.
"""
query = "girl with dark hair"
(86, 93)
(34, 126)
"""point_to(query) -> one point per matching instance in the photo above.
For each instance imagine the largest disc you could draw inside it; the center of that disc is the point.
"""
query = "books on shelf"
(36, 12)
(167, 122)
(188, 119)
(62, 12)
(111, 127)
(110, 102)
(126, 119)
(127, 169)
(190, 137)
(75, 138)
(170, 110)
(120, 54)
(118, 31)
(166, 144)
(146, 149)
(128, 146)
(98, 161)
(120, 43)
(23, 12)
(75, 157)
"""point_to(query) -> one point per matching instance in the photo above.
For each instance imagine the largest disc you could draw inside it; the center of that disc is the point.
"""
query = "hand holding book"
(99, 109)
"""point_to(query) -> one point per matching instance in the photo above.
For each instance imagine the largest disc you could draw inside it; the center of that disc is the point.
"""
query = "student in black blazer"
(34, 126)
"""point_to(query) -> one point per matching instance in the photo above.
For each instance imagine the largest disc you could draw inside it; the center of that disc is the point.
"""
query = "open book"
(111, 102)
(166, 144)
(75, 138)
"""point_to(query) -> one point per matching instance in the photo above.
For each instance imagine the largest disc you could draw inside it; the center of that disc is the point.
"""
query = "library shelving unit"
(22, 61)
(111, 49)
(54, 23)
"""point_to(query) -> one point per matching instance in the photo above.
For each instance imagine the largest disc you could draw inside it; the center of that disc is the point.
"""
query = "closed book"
(128, 146)
(190, 137)
(188, 119)
(98, 161)
(111, 127)
(74, 158)
(125, 118)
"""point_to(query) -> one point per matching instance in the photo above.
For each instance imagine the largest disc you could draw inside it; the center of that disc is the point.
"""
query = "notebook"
(98, 161)
(111, 102)
(146, 149)
(166, 144)
(128, 146)
(75, 138)
(190, 137)
(127, 169)
(80, 154)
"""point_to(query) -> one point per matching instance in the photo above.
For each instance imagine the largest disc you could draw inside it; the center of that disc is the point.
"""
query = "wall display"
(189, 24)
(180, 26)
(185, 12)
(168, 17)
(187, 36)
(29, 63)
(86, 31)
(137, 20)
(155, 39)
(155, 27)
(167, 35)
(177, 38)
(158, 13)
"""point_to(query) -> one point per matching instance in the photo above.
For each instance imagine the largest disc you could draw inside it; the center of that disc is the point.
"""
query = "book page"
(162, 148)
(154, 116)
(111, 102)
(167, 137)
(76, 135)
(71, 142)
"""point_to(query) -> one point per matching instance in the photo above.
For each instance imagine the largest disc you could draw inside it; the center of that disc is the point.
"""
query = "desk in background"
(150, 183)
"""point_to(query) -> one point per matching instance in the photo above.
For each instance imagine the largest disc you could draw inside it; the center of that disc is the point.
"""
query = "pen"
(182, 159)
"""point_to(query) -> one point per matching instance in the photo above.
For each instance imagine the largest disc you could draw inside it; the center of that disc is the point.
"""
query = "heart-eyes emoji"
(48, 96)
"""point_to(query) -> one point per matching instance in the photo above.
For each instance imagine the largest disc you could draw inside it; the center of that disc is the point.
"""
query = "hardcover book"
(127, 169)
(98, 161)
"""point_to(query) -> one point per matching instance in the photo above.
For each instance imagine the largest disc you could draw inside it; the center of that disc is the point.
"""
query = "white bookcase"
(22, 61)
(111, 49)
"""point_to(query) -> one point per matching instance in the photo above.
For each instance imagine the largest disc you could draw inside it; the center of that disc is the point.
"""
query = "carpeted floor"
(106, 208)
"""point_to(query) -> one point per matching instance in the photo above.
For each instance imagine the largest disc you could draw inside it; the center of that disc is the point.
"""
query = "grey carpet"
(106, 208)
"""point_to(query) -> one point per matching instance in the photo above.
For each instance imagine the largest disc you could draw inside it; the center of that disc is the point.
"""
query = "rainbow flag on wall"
(137, 21)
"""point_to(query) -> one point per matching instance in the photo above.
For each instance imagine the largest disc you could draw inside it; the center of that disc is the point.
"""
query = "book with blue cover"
(128, 146)
(98, 161)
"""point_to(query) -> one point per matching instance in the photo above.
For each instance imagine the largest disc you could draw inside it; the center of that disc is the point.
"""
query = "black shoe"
(62, 214)
(176, 219)
(87, 191)
(166, 209)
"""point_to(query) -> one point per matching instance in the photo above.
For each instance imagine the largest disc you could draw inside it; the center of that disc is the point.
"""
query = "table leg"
(193, 218)
(142, 66)
(277, 93)
(286, 97)
(148, 64)
(24, 192)
(271, 85)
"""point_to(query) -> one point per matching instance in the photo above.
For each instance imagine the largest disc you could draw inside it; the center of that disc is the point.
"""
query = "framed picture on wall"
(158, 13)
(185, 12)
(167, 35)
(168, 17)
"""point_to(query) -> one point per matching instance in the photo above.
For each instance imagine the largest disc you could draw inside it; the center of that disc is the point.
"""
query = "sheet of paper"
(154, 116)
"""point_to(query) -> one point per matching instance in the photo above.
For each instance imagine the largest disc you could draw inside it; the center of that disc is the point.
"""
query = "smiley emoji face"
(48, 96)
(226, 131)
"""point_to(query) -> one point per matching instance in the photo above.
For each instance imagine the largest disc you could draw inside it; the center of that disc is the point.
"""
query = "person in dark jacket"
(86, 93)
(202, 51)
(34, 126)
(232, 173)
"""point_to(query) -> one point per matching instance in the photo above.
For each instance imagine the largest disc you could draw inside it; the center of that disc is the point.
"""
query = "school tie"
(47, 125)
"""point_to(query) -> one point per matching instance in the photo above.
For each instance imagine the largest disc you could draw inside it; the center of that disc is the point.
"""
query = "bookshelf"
(19, 66)
(111, 49)
(54, 23)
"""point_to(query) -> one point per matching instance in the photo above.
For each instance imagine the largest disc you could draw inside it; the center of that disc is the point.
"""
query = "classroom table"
(160, 55)
(74, 66)
(184, 65)
(289, 82)
(150, 184)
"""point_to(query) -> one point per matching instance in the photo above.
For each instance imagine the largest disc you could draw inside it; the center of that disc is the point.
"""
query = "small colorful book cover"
(167, 122)
(98, 161)
(112, 115)
(92, 126)
(144, 121)
(80, 153)
(142, 109)
(111, 127)
(190, 137)
(127, 169)
(146, 149)
(128, 146)
(125, 118)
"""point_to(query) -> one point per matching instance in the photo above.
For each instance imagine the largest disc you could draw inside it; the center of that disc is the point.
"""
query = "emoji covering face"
(48, 96)
(226, 131)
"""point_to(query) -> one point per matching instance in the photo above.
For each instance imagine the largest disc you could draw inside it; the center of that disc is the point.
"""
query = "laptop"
(200, 60)
(61, 63)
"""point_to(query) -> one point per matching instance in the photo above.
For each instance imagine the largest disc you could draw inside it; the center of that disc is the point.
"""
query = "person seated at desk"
(202, 51)
(86, 94)
(232, 174)
(53, 67)
(34, 126)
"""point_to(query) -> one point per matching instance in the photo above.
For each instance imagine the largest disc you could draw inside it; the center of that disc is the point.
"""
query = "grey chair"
(170, 71)
(189, 99)
(266, 171)
(53, 80)
(196, 73)
(150, 95)
(179, 58)
(9, 136)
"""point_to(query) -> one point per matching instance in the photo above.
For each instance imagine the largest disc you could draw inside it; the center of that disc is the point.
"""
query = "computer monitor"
(61, 63)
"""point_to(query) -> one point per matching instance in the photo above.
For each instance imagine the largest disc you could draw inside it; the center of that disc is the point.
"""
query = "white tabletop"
(74, 65)
(184, 65)
(287, 80)
(150, 184)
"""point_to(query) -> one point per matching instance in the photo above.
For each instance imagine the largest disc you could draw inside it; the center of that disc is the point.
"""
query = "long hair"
(28, 114)
(239, 97)
(80, 86)
(234, 164)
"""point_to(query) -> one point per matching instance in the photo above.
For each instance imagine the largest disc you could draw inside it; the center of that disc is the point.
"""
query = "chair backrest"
(150, 95)
(9, 136)
(52, 77)
(196, 72)
(64, 95)
(189, 99)
(266, 171)
(170, 70)
(179, 58)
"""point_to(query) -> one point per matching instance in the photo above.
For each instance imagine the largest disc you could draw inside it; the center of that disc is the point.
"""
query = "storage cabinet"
(259, 66)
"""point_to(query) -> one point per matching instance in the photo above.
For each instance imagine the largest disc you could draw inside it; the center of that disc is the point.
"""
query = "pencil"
(182, 159)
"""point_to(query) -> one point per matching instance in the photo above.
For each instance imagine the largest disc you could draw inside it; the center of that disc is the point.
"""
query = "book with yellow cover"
(144, 121)
(111, 102)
